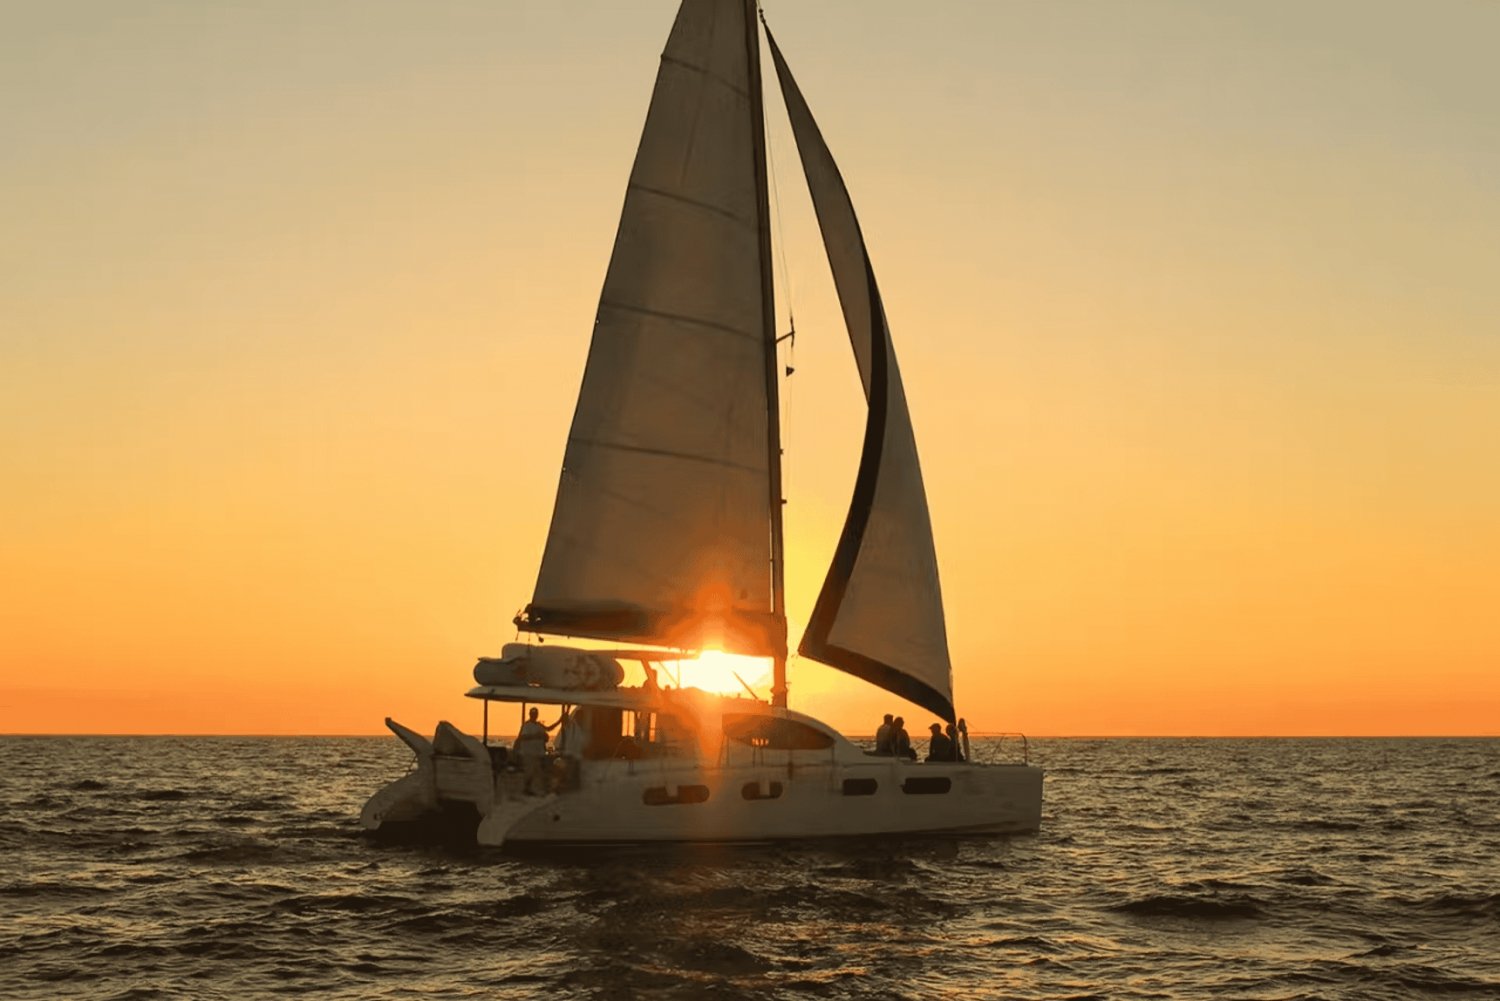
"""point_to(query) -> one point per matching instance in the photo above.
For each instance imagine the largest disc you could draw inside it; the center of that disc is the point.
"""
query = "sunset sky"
(1198, 307)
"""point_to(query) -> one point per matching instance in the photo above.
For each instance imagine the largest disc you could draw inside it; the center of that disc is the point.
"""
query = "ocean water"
(1261, 869)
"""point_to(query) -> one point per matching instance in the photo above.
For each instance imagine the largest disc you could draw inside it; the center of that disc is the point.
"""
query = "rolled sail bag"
(499, 671)
(566, 668)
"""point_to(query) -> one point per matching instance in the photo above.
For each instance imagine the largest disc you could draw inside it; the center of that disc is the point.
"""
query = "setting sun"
(715, 671)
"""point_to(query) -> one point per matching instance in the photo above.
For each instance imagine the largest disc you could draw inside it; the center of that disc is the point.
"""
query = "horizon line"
(1052, 736)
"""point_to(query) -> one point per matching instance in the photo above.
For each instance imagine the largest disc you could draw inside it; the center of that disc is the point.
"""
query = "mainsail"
(880, 613)
(662, 531)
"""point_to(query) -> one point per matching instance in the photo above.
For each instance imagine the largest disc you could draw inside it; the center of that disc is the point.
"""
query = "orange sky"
(1196, 308)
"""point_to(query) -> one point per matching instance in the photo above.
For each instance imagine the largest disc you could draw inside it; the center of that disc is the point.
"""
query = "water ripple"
(1166, 869)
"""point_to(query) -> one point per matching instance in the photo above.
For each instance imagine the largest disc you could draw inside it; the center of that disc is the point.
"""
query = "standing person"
(651, 689)
(572, 741)
(953, 740)
(575, 735)
(531, 749)
(940, 747)
(883, 736)
(901, 740)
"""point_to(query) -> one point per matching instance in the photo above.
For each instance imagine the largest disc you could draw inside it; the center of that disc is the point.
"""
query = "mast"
(773, 371)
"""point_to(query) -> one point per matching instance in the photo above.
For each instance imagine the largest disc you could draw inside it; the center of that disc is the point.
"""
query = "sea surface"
(235, 868)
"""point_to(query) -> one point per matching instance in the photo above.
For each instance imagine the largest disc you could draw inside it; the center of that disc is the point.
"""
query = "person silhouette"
(531, 750)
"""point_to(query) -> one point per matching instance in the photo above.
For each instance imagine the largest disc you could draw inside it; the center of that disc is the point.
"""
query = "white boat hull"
(782, 795)
(981, 798)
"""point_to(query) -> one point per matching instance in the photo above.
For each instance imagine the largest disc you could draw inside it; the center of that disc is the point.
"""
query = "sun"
(714, 671)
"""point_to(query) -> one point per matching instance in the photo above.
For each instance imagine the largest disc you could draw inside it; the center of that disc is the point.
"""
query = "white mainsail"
(880, 613)
(660, 533)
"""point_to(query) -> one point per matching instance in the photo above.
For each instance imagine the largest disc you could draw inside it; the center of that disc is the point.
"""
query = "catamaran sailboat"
(666, 536)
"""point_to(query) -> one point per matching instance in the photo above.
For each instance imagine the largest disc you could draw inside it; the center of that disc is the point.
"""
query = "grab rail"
(998, 746)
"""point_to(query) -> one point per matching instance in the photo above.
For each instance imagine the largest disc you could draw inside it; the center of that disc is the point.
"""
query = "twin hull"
(776, 795)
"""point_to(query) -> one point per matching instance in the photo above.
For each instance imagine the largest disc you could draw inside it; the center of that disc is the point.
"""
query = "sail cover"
(880, 613)
(660, 533)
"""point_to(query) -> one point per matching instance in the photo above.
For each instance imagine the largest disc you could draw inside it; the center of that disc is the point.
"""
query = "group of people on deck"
(559, 767)
(892, 739)
(530, 748)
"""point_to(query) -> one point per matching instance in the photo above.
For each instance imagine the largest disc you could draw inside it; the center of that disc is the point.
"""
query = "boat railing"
(1000, 747)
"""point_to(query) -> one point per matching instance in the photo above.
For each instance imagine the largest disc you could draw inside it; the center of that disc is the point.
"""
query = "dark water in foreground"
(226, 867)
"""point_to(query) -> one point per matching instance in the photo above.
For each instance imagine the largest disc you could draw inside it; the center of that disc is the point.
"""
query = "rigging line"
(786, 283)
(786, 276)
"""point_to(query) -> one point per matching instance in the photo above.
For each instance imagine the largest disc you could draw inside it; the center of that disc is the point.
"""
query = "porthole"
(761, 790)
(662, 796)
(860, 787)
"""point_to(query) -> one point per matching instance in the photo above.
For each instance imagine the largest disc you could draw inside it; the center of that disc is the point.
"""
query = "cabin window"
(757, 790)
(774, 734)
(860, 787)
(643, 730)
(927, 785)
(604, 728)
(662, 796)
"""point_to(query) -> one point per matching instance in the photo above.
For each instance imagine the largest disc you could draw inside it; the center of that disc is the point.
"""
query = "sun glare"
(714, 671)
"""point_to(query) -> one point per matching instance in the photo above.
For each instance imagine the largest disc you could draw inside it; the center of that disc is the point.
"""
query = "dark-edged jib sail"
(660, 530)
(880, 613)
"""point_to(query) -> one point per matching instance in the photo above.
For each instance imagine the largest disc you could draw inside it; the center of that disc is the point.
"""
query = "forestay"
(880, 612)
(660, 530)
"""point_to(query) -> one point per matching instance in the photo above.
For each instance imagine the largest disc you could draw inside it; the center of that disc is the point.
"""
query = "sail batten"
(722, 328)
(660, 532)
(712, 460)
(708, 73)
(879, 614)
(696, 203)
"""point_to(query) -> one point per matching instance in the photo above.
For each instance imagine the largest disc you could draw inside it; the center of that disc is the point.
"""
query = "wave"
(873, 868)
(1304, 877)
(49, 889)
(1204, 908)
(714, 956)
(1026, 943)
(358, 903)
(521, 905)
(1325, 825)
(1386, 949)
(1460, 905)
(1426, 979)
(434, 922)
(263, 804)
(228, 854)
